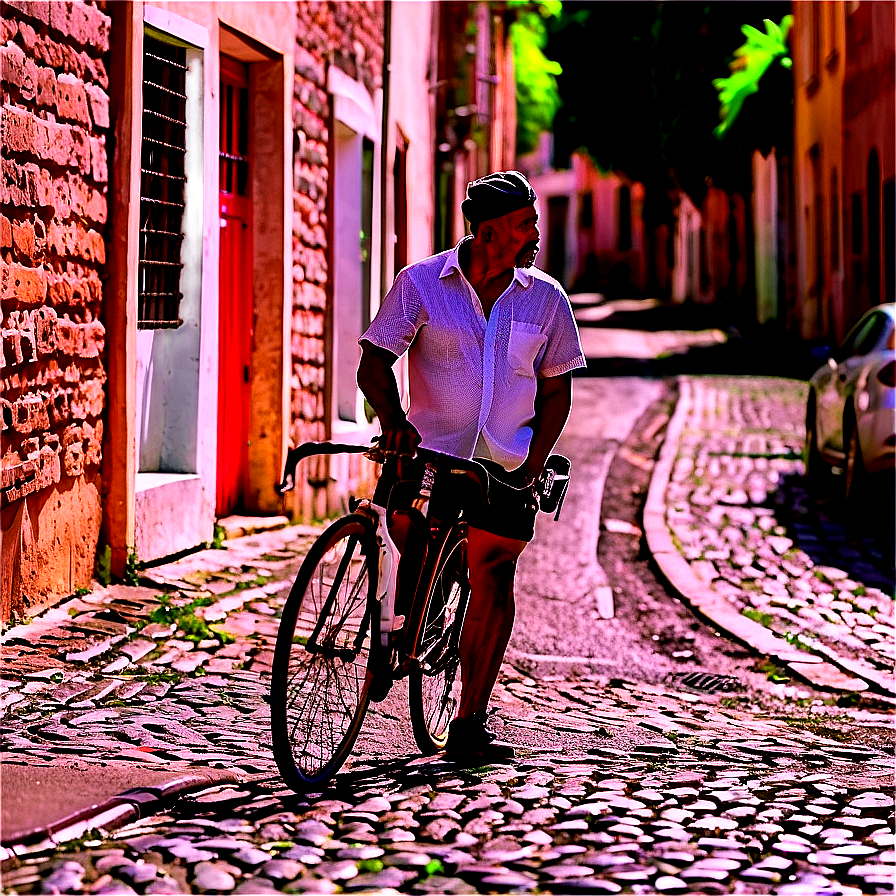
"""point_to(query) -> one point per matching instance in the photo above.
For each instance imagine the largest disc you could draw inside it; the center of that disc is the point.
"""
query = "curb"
(835, 675)
(111, 814)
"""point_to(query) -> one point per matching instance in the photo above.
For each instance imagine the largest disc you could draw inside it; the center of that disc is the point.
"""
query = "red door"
(235, 306)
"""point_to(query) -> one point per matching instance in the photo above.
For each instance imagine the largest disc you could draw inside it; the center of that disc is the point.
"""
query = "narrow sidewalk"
(118, 702)
(735, 532)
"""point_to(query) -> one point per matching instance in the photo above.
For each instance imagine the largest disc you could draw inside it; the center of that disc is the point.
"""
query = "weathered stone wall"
(54, 120)
(349, 35)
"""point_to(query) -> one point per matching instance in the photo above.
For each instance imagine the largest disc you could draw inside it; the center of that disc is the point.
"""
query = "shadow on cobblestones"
(760, 353)
(864, 548)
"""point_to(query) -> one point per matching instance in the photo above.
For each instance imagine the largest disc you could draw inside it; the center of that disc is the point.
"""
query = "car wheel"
(818, 473)
(855, 476)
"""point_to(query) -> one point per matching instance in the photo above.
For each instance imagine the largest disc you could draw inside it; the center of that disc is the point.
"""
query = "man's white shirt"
(473, 380)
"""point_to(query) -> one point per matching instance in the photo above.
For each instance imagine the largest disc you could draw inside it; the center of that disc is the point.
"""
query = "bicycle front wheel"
(434, 688)
(320, 681)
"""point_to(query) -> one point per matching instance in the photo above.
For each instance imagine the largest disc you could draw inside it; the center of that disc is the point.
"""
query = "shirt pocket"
(524, 347)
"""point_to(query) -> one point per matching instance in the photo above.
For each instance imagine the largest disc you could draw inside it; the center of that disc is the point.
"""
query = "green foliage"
(190, 626)
(166, 676)
(637, 95)
(132, 568)
(821, 729)
(772, 671)
(104, 566)
(764, 619)
(537, 95)
(370, 866)
(219, 536)
(800, 641)
(433, 866)
(752, 61)
(849, 699)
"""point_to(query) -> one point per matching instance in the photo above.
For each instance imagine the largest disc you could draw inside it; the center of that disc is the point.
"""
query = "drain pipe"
(384, 151)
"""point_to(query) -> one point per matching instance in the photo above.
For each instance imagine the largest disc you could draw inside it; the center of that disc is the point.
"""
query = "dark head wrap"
(495, 195)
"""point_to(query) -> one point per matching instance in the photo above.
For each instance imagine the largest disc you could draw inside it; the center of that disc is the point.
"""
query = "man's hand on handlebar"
(399, 436)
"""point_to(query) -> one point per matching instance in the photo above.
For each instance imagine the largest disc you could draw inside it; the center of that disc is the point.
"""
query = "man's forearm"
(377, 381)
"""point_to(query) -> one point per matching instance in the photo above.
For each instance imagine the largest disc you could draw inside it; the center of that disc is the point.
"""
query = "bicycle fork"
(388, 573)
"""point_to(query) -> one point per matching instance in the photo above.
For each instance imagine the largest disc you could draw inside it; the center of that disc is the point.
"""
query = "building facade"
(869, 165)
(55, 349)
(592, 228)
(844, 119)
(203, 203)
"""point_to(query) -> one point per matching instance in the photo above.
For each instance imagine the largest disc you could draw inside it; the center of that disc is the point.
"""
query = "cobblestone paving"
(617, 786)
(738, 507)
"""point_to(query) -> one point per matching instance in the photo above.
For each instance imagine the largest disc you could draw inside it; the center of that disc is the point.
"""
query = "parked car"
(850, 419)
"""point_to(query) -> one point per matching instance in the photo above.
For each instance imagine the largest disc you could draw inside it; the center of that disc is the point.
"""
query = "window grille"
(162, 181)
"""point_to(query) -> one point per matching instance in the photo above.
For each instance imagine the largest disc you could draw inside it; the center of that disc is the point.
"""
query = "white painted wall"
(412, 111)
(176, 404)
(357, 115)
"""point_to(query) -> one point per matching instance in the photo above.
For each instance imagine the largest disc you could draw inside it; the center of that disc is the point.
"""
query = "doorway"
(235, 301)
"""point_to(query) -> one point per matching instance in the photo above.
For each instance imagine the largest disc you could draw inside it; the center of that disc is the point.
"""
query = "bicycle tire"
(434, 689)
(320, 680)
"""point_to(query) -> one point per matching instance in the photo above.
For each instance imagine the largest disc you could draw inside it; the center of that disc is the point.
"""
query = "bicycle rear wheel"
(320, 681)
(434, 689)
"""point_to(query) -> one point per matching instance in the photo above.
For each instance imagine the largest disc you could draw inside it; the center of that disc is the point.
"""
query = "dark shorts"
(510, 512)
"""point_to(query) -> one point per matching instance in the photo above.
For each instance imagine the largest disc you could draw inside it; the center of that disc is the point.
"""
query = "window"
(864, 337)
(625, 219)
(558, 210)
(234, 128)
(162, 183)
(833, 12)
(816, 39)
(835, 221)
(889, 240)
(873, 207)
(856, 215)
(400, 185)
(586, 210)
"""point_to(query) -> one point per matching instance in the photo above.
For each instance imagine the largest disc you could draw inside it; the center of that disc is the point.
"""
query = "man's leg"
(489, 620)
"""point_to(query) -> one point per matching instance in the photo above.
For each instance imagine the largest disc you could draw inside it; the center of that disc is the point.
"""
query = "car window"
(854, 339)
(872, 335)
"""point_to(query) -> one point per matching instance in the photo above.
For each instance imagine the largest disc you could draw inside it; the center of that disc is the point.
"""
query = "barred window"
(162, 181)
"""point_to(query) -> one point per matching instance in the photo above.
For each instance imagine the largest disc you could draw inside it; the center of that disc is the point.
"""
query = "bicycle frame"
(387, 578)
(389, 554)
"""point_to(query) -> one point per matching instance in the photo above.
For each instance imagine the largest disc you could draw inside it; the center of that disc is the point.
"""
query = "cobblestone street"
(738, 511)
(620, 784)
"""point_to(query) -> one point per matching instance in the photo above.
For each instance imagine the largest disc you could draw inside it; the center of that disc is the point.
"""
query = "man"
(492, 345)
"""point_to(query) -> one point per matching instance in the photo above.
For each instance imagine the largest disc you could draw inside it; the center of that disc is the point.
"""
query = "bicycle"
(380, 596)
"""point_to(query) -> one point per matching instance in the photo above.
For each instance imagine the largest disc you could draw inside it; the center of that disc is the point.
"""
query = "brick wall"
(54, 122)
(350, 36)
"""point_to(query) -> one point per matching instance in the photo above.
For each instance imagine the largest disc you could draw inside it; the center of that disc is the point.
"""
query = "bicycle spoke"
(435, 688)
(325, 674)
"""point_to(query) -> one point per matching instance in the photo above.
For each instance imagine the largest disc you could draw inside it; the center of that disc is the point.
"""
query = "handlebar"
(310, 449)
(442, 462)
(376, 454)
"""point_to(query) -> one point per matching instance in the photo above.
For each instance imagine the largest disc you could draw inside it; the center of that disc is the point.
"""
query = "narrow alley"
(655, 752)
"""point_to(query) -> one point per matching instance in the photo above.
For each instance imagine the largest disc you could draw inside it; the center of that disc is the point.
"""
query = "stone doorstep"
(236, 526)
